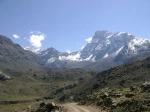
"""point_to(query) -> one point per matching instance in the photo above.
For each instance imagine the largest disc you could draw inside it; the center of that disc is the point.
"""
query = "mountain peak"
(51, 49)
(102, 34)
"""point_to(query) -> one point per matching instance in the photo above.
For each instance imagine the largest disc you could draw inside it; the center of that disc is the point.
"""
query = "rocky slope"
(13, 56)
(119, 89)
(117, 47)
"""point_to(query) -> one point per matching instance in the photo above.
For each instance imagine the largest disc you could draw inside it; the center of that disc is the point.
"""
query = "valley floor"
(32, 107)
(73, 107)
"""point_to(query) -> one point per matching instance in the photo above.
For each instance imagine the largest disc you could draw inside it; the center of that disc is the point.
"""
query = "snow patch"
(82, 47)
(99, 47)
(119, 50)
(109, 36)
(136, 42)
(51, 60)
(107, 42)
(75, 57)
(93, 59)
(88, 58)
(120, 33)
(106, 55)
(45, 53)
(129, 33)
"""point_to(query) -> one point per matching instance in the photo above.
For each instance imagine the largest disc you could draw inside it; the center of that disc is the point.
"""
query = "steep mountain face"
(104, 44)
(116, 47)
(14, 57)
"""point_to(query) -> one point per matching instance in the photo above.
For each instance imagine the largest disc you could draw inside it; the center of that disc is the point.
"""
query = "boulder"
(132, 88)
(145, 86)
(50, 106)
(4, 76)
(129, 95)
(103, 95)
(42, 104)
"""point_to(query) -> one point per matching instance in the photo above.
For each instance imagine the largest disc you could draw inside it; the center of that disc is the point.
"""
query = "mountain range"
(104, 51)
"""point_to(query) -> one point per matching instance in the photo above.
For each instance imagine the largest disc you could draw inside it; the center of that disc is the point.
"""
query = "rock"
(4, 76)
(115, 94)
(103, 95)
(57, 107)
(145, 86)
(34, 75)
(114, 104)
(129, 95)
(132, 88)
(41, 110)
(50, 106)
(42, 104)
(108, 102)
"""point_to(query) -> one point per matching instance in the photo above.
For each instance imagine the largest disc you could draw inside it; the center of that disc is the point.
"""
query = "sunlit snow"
(106, 55)
(136, 41)
(88, 58)
(51, 60)
(71, 57)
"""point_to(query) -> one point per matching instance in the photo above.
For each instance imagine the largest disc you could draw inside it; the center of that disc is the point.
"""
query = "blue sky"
(65, 24)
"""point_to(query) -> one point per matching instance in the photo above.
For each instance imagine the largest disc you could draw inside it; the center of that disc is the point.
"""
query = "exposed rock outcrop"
(4, 76)
(145, 86)
(49, 107)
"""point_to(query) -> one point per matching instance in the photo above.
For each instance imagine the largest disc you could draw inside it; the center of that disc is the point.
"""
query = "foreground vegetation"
(25, 88)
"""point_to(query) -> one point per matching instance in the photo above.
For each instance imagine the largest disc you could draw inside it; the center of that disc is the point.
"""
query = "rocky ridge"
(13, 56)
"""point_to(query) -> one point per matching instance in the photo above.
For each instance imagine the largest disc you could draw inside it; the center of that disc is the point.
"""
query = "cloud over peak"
(16, 36)
(35, 39)
(68, 51)
(88, 40)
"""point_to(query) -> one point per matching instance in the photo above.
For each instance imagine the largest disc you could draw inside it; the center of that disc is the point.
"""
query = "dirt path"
(73, 107)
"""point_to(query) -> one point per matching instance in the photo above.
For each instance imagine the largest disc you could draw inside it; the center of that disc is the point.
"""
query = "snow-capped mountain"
(104, 44)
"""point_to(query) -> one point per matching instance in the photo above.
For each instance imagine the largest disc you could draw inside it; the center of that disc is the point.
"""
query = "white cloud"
(68, 51)
(16, 36)
(88, 40)
(35, 40)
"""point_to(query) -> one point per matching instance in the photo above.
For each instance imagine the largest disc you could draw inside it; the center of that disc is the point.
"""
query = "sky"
(68, 24)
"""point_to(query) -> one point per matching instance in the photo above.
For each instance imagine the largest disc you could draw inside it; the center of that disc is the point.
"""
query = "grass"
(25, 86)
(22, 106)
(12, 107)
